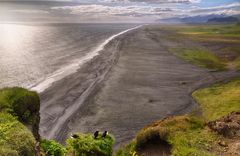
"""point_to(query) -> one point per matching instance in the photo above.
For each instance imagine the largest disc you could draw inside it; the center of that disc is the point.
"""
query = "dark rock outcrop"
(228, 126)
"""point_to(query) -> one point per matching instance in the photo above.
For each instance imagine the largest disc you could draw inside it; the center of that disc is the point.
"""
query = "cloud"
(146, 10)
(152, 1)
(230, 9)
(30, 11)
(114, 10)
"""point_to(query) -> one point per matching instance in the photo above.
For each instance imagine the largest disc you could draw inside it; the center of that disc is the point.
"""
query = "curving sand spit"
(133, 82)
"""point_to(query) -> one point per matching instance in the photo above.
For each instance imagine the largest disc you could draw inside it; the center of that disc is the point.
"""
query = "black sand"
(134, 82)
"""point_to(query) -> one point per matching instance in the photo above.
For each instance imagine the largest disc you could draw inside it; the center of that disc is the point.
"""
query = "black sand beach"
(133, 82)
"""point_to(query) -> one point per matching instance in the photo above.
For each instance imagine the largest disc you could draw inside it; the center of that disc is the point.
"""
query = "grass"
(188, 134)
(23, 104)
(52, 148)
(86, 145)
(15, 138)
(237, 63)
(219, 99)
(20, 102)
(200, 57)
(19, 108)
(219, 45)
(228, 32)
(128, 150)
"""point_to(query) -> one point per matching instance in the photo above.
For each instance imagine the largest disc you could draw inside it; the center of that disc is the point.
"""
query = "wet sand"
(133, 82)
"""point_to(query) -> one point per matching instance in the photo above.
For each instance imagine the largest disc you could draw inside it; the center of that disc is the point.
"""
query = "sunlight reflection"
(16, 43)
(13, 36)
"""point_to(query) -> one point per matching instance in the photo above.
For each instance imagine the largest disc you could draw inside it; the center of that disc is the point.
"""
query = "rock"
(228, 126)
(222, 143)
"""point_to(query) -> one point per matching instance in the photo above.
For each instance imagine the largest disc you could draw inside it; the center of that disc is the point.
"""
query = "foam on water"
(73, 67)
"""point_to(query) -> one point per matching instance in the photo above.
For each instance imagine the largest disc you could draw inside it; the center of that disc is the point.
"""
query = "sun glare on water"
(16, 43)
(13, 36)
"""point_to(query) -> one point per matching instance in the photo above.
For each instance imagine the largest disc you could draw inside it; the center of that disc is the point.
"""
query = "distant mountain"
(201, 19)
(223, 20)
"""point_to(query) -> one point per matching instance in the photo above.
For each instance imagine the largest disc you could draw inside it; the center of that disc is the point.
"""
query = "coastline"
(144, 79)
(89, 75)
(74, 66)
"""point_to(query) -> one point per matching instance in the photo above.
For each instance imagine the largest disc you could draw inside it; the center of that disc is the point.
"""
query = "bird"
(74, 136)
(96, 134)
(104, 134)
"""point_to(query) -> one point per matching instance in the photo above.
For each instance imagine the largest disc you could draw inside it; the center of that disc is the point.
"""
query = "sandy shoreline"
(134, 82)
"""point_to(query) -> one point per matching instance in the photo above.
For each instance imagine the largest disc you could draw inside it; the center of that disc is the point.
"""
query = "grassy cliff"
(19, 109)
(19, 123)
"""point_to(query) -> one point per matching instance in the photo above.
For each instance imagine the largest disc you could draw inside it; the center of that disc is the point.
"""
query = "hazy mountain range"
(203, 19)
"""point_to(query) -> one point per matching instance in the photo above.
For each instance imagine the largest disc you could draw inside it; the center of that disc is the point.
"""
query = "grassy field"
(200, 57)
(219, 100)
(188, 134)
(219, 45)
(223, 33)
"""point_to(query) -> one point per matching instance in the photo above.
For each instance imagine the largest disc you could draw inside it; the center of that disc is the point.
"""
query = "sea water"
(36, 55)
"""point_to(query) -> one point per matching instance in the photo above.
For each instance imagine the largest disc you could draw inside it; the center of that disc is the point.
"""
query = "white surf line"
(72, 68)
(68, 112)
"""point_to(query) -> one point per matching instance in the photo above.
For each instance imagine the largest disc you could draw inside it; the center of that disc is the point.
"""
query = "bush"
(15, 138)
(52, 148)
(86, 145)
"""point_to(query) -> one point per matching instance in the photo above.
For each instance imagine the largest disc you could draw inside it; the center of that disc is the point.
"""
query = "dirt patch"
(234, 148)
(155, 148)
(228, 126)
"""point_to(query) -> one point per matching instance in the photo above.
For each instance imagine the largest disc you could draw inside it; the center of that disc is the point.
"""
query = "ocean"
(35, 55)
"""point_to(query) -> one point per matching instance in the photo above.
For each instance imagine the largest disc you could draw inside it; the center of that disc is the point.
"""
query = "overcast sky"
(97, 11)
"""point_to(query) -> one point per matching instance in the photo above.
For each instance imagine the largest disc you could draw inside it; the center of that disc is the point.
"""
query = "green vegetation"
(15, 138)
(86, 145)
(22, 104)
(200, 57)
(52, 148)
(219, 100)
(219, 32)
(188, 134)
(128, 150)
(217, 45)
(18, 108)
(237, 63)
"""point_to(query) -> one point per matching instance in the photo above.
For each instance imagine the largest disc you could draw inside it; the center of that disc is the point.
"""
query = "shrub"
(86, 145)
(52, 148)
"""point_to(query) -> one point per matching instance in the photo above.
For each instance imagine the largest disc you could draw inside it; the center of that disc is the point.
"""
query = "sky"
(111, 11)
